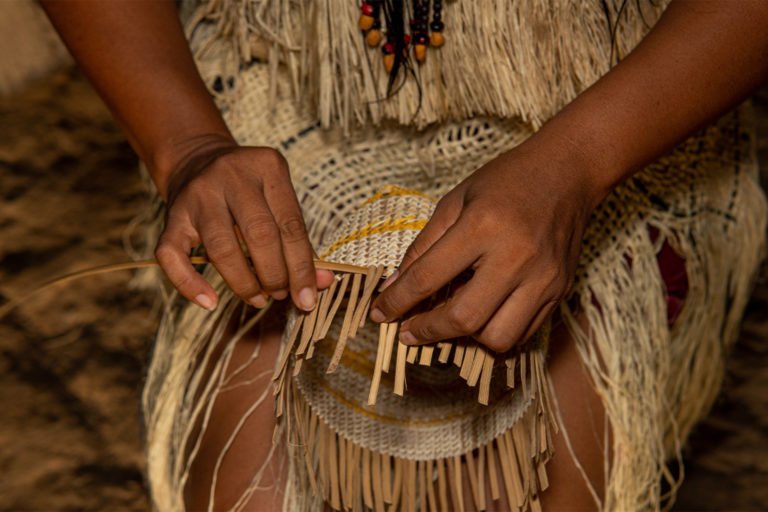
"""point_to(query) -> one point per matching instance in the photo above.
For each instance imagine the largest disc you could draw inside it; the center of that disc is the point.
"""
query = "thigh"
(576, 471)
(237, 464)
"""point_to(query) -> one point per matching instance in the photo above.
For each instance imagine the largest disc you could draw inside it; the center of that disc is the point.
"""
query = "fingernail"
(307, 299)
(407, 338)
(205, 302)
(388, 281)
(258, 301)
(280, 294)
(377, 315)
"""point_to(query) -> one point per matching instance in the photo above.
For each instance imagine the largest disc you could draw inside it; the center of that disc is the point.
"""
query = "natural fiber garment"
(655, 380)
(536, 55)
(456, 413)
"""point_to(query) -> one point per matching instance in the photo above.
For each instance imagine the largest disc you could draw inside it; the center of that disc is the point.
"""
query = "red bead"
(407, 39)
(367, 9)
(388, 48)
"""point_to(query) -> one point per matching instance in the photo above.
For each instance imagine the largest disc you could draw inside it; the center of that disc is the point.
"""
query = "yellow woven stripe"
(403, 224)
(359, 363)
(393, 190)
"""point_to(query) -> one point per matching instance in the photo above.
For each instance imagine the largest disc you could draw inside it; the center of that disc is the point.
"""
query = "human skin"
(526, 210)
(700, 59)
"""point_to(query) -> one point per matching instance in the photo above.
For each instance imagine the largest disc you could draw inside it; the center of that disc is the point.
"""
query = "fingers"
(172, 253)
(463, 314)
(443, 261)
(520, 315)
(516, 320)
(262, 237)
(223, 248)
(244, 195)
(296, 249)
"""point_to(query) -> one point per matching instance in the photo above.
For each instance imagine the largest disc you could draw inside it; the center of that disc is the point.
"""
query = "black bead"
(218, 85)
(437, 26)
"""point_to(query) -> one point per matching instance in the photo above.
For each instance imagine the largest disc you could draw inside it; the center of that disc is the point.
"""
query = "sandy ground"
(72, 361)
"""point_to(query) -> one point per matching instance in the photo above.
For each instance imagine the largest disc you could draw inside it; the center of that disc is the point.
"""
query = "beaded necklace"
(421, 35)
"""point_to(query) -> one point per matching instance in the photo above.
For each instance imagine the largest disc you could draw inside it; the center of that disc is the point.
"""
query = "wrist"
(170, 164)
(588, 154)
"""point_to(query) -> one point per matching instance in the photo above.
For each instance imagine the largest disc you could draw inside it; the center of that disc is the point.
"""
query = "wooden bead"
(420, 50)
(389, 62)
(366, 22)
(437, 39)
(373, 38)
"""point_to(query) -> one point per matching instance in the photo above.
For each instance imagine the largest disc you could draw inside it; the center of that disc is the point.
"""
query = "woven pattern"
(438, 404)
(655, 381)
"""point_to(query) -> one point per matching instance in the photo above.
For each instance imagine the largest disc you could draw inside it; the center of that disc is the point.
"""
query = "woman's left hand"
(517, 222)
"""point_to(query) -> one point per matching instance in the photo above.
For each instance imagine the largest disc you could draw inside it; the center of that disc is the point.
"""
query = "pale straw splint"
(655, 380)
(437, 434)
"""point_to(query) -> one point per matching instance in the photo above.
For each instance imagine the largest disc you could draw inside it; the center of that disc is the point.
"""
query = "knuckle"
(292, 229)
(482, 220)
(273, 159)
(389, 304)
(463, 319)
(164, 251)
(496, 339)
(274, 279)
(244, 289)
(221, 248)
(260, 230)
(424, 332)
(269, 161)
(421, 280)
(303, 269)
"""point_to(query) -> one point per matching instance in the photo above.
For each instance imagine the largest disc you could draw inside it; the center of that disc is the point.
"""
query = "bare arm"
(529, 207)
(136, 55)
(701, 59)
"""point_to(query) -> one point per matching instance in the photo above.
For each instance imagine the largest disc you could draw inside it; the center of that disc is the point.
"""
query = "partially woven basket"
(462, 410)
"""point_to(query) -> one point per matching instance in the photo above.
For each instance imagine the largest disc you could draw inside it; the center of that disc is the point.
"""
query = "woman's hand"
(219, 189)
(517, 222)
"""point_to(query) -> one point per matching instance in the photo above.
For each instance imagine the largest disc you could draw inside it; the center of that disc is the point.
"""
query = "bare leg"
(584, 417)
(252, 445)
(581, 410)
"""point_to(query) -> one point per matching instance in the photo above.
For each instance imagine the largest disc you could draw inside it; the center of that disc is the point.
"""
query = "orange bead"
(420, 50)
(366, 22)
(389, 62)
(373, 38)
(437, 39)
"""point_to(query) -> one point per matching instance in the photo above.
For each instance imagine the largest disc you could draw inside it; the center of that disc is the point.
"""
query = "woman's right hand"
(224, 187)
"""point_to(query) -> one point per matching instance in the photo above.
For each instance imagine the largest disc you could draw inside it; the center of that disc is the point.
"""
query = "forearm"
(136, 55)
(701, 59)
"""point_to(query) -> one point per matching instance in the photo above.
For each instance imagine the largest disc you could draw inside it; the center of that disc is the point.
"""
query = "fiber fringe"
(342, 82)
(355, 292)
(347, 476)
(657, 381)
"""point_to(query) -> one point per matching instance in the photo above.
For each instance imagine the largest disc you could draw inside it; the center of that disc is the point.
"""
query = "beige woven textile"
(655, 381)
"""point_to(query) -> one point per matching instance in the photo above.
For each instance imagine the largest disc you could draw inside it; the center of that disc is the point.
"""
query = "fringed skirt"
(655, 360)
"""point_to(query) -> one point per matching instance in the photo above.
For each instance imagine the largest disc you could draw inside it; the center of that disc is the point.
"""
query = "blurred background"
(72, 360)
